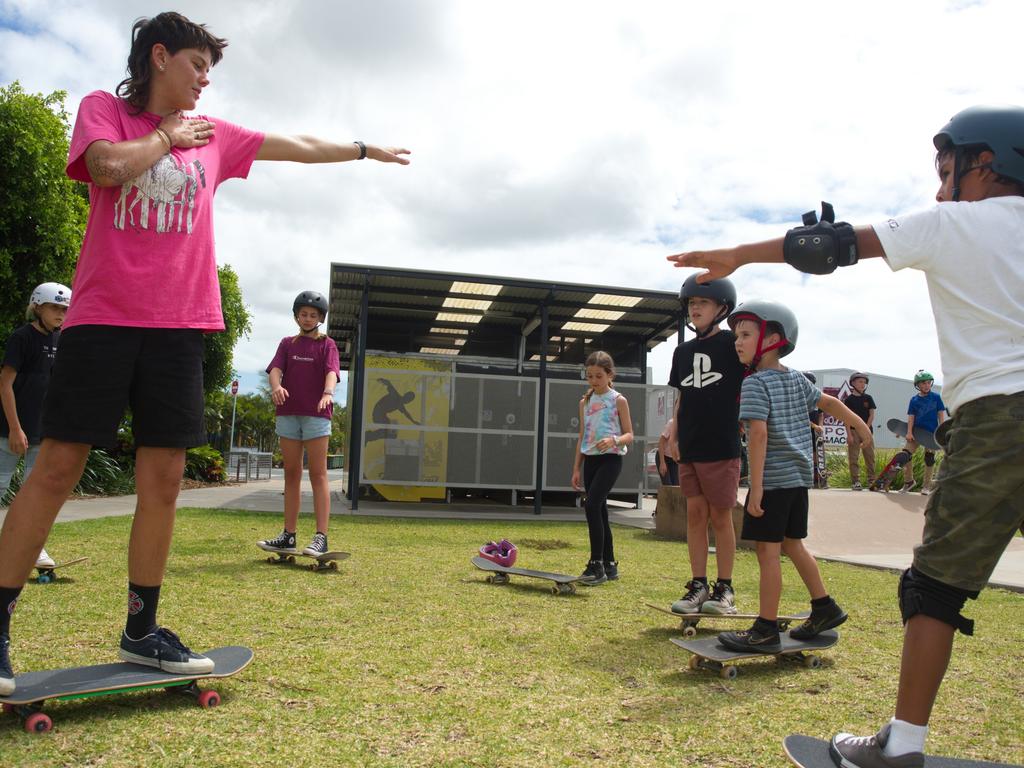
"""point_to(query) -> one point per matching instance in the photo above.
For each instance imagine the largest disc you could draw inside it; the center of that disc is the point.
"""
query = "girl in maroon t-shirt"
(303, 375)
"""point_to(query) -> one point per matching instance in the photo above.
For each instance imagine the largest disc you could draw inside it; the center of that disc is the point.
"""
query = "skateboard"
(33, 689)
(821, 472)
(688, 621)
(328, 560)
(563, 583)
(807, 752)
(45, 573)
(896, 464)
(709, 654)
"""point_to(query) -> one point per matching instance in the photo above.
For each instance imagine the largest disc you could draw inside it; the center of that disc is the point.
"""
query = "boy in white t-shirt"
(977, 230)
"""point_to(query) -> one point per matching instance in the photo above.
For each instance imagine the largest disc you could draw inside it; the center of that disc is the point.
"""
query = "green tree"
(42, 211)
(218, 364)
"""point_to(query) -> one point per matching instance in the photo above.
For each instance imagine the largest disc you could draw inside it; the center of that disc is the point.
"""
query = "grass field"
(407, 657)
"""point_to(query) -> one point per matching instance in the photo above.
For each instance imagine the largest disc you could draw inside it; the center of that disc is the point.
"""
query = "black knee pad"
(922, 594)
(929, 458)
(901, 458)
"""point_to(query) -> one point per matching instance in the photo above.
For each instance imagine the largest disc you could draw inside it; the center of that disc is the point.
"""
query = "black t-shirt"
(31, 354)
(860, 404)
(708, 375)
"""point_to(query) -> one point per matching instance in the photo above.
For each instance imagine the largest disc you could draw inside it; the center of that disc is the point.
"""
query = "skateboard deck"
(808, 752)
(33, 689)
(45, 573)
(563, 583)
(688, 621)
(709, 654)
(328, 560)
(821, 472)
(899, 428)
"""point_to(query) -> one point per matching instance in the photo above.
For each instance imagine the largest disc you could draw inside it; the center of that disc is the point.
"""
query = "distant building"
(891, 396)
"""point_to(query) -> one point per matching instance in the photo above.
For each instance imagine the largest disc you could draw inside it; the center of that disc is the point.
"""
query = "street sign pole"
(234, 402)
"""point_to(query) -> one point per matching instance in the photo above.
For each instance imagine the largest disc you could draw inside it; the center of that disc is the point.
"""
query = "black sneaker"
(283, 542)
(163, 649)
(317, 546)
(594, 574)
(820, 619)
(755, 640)
(611, 569)
(6, 673)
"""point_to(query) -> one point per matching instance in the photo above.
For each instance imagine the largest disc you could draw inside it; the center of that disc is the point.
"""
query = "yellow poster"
(405, 439)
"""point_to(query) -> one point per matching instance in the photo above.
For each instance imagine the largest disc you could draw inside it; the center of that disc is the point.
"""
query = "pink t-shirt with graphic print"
(148, 257)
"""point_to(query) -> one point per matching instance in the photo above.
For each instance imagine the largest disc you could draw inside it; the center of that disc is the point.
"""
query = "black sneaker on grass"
(594, 574)
(162, 649)
(6, 673)
(317, 546)
(283, 542)
(754, 640)
(820, 619)
(611, 569)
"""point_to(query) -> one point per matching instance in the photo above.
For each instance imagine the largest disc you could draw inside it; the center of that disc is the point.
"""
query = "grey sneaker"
(856, 486)
(44, 560)
(6, 674)
(906, 488)
(283, 542)
(722, 600)
(317, 546)
(697, 594)
(849, 751)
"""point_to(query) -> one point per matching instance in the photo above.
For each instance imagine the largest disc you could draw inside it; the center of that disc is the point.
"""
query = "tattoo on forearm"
(113, 170)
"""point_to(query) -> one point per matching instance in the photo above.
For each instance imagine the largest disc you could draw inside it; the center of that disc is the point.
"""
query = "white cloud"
(572, 140)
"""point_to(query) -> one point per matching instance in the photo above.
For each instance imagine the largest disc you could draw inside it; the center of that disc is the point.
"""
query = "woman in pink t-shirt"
(303, 375)
(145, 293)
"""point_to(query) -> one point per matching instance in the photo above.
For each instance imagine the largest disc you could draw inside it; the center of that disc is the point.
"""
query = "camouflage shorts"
(978, 505)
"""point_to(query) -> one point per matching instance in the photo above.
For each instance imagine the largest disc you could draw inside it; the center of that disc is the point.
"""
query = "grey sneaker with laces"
(849, 751)
(693, 600)
(722, 600)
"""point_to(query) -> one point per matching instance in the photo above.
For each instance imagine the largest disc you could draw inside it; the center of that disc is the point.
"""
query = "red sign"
(234, 387)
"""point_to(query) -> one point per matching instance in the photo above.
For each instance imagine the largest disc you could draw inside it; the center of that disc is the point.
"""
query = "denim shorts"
(303, 427)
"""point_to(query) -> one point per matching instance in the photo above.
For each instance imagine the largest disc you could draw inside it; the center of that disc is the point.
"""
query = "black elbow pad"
(819, 247)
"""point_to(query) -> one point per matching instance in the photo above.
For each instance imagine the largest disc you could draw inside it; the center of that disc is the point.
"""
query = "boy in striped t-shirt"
(774, 402)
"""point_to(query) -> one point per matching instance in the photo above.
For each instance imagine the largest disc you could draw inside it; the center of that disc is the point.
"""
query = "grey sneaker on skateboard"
(722, 601)
(697, 594)
(849, 751)
(162, 649)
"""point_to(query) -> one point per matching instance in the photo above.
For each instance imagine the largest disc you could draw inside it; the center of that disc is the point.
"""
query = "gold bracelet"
(164, 137)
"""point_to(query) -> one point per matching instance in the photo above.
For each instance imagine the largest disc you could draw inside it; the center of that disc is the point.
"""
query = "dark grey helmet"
(998, 128)
(310, 299)
(721, 290)
(858, 375)
(773, 313)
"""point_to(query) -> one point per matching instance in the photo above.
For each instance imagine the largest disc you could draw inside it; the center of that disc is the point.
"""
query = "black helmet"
(771, 313)
(810, 377)
(999, 129)
(721, 291)
(310, 299)
(858, 375)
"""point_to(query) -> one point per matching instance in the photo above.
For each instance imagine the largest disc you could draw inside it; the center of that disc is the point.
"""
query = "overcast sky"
(579, 141)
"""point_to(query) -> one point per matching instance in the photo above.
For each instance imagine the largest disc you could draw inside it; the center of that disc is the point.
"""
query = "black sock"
(702, 579)
(821, 602)
(142, 602)
(8, 599)
(764, 626)
(726, 582)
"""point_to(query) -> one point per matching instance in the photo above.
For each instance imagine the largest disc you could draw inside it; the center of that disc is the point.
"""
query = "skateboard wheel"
(208, 699)
(333, 565)
(38, 722)
(812, 662)
(729, 673)
(689, 630)
(312, 566)
(693, 663)
(556, 590)
(44, 578)
(783, 626)
(291, 558)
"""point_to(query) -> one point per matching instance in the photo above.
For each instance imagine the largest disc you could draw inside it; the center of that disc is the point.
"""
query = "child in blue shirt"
(927, 411)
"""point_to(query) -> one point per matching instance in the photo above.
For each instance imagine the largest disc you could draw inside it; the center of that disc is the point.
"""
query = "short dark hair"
(970, 156)
(175, 32)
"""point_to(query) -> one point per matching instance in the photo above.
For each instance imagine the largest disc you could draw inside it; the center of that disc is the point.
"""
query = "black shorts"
(102, 369)
(785, 516)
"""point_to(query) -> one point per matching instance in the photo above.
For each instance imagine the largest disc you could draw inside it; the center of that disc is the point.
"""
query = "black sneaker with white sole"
(317, 547)
(6, 673)
(283, 542)
(162, 649)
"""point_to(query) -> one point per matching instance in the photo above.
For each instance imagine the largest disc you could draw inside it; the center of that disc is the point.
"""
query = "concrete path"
(870, 529)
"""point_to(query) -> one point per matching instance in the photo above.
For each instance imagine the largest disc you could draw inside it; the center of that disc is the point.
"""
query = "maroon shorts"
(717, 481)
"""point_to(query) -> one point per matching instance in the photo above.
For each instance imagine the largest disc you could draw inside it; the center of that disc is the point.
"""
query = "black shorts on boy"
(101, 370)
(785, 516)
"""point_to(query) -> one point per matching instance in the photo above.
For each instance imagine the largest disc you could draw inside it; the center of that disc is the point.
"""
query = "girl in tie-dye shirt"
(605, 431)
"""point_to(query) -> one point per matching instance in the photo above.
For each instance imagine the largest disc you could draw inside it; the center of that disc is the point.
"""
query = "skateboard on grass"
(807, 752)
(33, 689)
(563, 583)
(711, 655)
(45, 572)
(326, 561)
(688, 621)
(896, 463)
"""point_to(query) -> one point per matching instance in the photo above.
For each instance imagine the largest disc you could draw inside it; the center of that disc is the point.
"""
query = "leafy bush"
(205, 464)
(839, 466)
(105, 476)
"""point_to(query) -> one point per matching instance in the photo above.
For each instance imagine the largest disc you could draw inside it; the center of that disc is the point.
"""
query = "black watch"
(362, 149)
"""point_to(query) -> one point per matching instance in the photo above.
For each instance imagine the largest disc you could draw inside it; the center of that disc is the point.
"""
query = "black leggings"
(599, 475)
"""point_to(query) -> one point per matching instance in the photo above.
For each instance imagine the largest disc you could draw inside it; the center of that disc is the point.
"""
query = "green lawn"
(407, 657)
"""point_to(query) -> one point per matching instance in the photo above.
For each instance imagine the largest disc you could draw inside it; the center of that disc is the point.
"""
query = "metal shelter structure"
(461, 380)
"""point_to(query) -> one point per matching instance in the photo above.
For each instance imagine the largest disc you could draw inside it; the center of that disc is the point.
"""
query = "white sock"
(904, 737)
